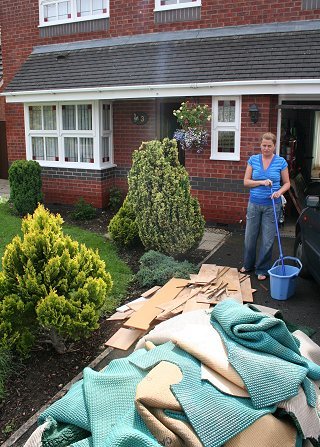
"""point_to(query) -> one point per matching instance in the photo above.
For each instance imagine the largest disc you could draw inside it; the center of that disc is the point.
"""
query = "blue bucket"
(282, 286)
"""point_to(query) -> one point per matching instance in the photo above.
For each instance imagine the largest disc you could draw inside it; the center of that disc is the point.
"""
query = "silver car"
(307, 243)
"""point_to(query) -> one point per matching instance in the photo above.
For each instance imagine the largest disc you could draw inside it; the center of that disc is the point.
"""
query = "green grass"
(120, 272)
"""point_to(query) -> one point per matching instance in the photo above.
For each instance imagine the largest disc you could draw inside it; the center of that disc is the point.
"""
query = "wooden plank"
(124, 338)
(207, 273)
(231, 276)
(120, 315)
(194, 305)
(181, 298)
(137, 304)
(144, 316)
(180, 301)
(246, 290)
(150, 292)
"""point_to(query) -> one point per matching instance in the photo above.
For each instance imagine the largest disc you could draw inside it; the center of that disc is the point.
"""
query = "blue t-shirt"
(261, 194)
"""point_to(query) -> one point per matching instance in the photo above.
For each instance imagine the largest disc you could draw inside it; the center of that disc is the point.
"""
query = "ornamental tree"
(50, 285)
(169, 219)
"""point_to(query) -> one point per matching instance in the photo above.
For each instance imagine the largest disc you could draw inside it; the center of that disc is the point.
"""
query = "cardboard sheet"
(146, 314)
(124, 338)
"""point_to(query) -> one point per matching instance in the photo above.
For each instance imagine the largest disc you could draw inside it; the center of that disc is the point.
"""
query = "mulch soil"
(36, 380)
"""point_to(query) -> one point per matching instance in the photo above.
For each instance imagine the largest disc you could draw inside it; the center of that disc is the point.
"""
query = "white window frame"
(106, 133)
(73, 18)
(178, 5)
(225, 126)
(95, 133)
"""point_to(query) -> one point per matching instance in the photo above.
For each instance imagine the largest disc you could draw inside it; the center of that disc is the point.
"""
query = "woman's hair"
(269, 136)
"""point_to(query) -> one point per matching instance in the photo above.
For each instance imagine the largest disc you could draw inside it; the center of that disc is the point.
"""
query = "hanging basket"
(192, 138)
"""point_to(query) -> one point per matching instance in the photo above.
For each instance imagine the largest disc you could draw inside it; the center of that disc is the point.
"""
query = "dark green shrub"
(49, 282)
(168, 217)
(83, 210)
(25, 185)
(115, 198)
(156, 269)
(123, 227)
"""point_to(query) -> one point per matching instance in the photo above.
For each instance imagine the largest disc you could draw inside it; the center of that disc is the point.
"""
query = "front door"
(168, 124)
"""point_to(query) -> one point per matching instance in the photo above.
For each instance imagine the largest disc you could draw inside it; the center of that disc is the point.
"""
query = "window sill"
(177, 6)
(74, 165)
(225, 157)
(78, 19)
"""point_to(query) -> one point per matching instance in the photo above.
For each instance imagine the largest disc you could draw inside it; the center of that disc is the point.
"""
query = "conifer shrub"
(156, 269)
(115, 198)
(83, 210)
(169, 219)
(50, 284)
(25, 185)
(123, 227)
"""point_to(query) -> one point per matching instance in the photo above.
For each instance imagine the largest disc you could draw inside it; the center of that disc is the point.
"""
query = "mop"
(278, 235)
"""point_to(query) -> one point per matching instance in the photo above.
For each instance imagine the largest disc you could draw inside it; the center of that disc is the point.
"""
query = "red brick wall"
(2, 105)
(67, 192)
(15, 132)
(128, 136)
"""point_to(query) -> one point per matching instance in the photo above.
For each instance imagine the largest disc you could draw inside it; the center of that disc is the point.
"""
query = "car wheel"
(299, 253)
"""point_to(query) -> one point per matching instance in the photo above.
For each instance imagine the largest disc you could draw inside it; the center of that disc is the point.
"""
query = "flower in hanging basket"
(192, 138)
(192, 119)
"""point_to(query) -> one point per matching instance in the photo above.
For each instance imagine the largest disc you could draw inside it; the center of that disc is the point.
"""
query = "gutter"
(264, 87)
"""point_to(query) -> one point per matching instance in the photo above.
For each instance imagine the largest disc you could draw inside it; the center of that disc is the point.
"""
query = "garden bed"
(36, 380)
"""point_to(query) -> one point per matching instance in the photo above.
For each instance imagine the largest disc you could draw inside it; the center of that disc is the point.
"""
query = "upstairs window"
(175, 4)
(64, 11)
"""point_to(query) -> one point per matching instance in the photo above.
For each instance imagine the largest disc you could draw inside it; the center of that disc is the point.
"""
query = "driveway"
(302, 309)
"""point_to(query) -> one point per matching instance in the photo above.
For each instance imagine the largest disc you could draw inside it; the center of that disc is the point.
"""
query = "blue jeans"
(260, 220)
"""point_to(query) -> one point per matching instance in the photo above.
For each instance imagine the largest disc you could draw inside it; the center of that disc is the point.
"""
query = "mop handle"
(278, 234)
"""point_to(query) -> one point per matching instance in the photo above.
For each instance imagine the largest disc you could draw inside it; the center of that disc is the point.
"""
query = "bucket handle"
(297, 260)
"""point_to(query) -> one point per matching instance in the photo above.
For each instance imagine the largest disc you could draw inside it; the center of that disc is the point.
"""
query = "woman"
(263, 176)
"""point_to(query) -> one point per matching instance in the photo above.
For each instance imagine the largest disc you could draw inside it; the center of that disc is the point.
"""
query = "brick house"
(86, 81)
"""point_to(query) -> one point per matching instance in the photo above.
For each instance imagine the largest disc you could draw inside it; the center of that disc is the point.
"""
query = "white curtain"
(315, 169)
(37, 148)
(51, 148)
(86, 150)
(71, 148)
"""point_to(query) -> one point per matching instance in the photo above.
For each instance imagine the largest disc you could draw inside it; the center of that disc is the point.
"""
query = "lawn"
(120, 272)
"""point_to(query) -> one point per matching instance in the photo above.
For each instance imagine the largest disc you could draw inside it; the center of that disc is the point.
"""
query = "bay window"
(53, 12)
(69, 135)
(225, 141)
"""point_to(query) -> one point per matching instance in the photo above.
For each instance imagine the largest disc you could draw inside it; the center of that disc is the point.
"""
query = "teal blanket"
(103, 403)
(264, 353)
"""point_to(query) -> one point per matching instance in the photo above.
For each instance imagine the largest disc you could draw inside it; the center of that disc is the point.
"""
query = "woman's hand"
(276, 195)
(267, 182)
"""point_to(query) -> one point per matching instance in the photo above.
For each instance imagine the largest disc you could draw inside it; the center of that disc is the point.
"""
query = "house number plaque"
(139, 118)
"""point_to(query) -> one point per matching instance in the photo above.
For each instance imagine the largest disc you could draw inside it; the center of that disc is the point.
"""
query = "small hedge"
(25, 185)
(157, 268)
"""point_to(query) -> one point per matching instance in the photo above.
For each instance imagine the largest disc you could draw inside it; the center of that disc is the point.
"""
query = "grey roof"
(263, 56)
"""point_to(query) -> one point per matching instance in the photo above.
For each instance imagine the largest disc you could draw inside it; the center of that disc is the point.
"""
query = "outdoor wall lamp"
(254, 113)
